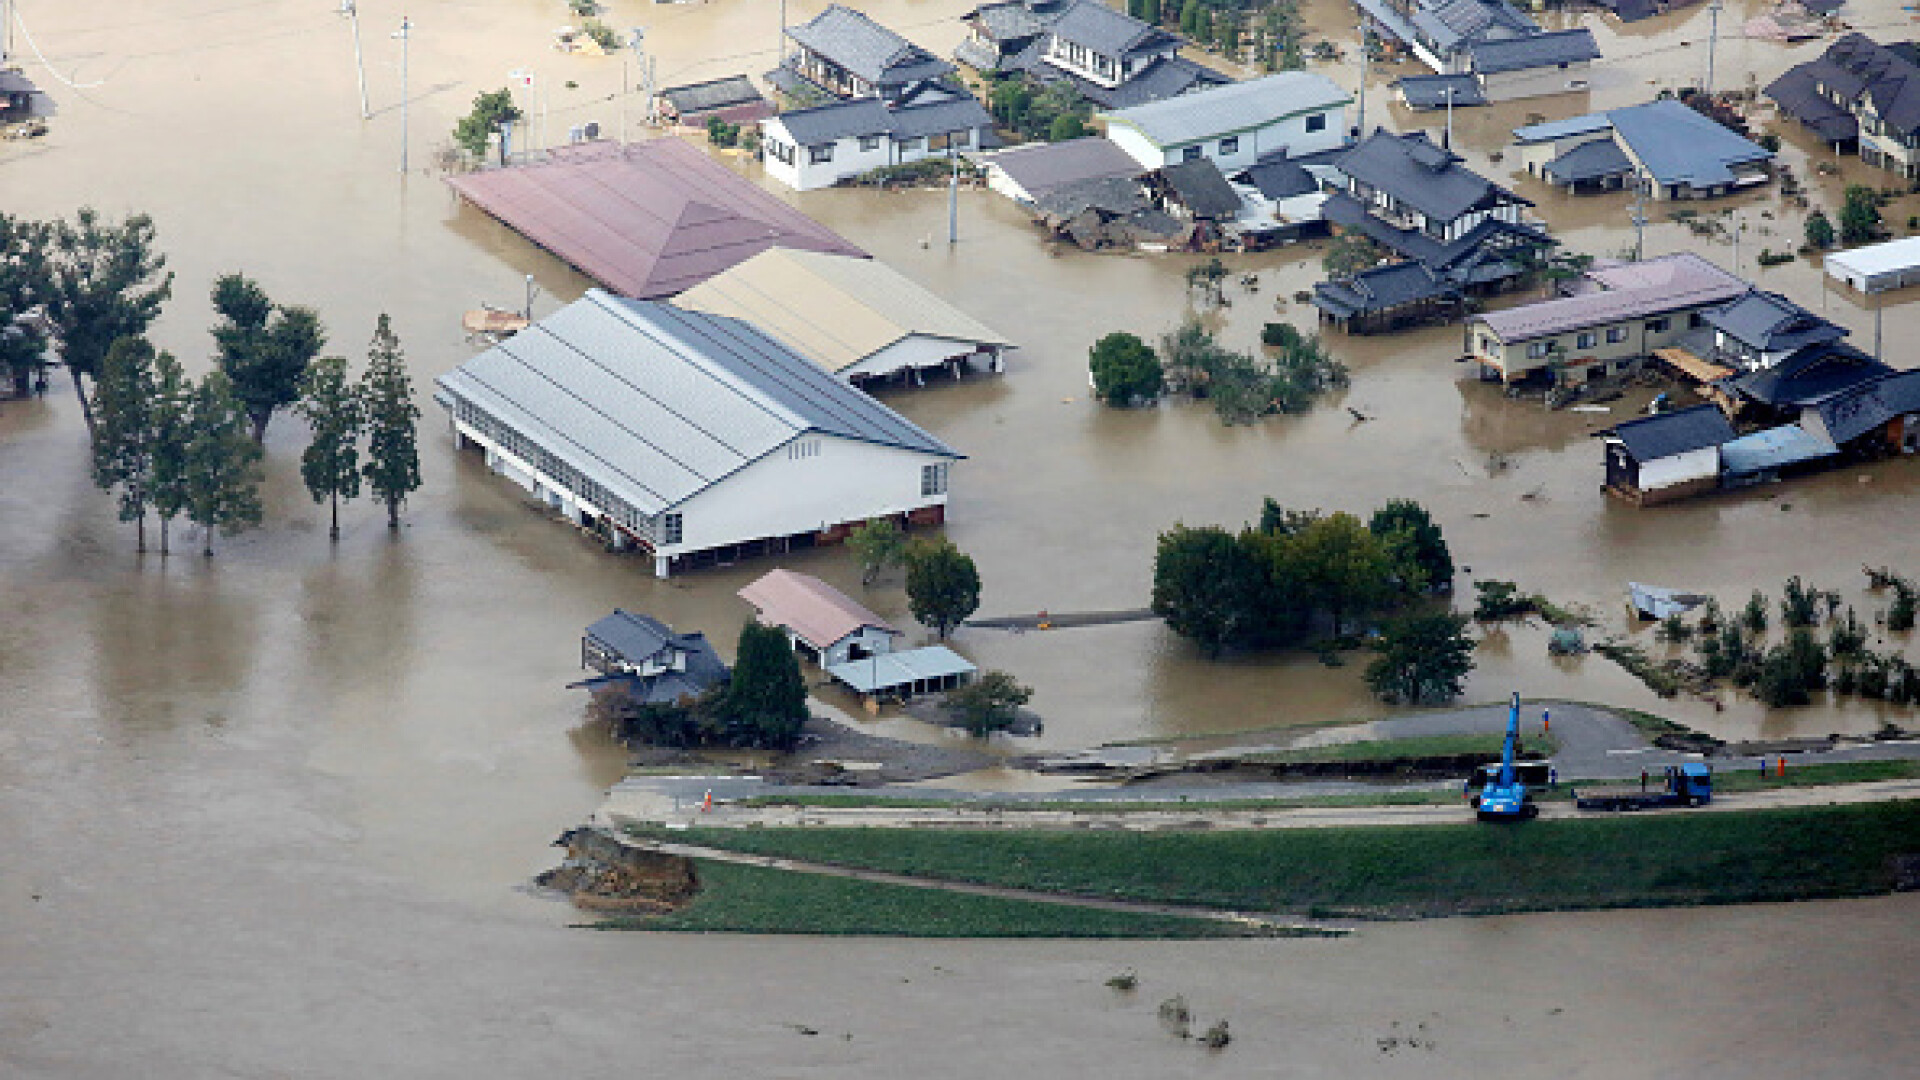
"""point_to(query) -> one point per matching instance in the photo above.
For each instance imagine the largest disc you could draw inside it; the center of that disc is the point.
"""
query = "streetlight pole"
(1713, 43)
(352, 11)
(405, 34)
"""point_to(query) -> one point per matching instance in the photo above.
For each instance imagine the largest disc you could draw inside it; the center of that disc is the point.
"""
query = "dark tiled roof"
(1550, 49)
(1279, 177)
(1380, 288)
(870, 116)
(1041, 168)
(733, 90)
(1856, 65)
(867, 49)
(1770, 322)
(1116, 196)
(1106, 31)
(1202, 189)
(1856, 411)
(1670, 433)
(1419, 174)
(1430, 91)
(1797, 95)
(1588, 161)
(1809, 376)
(633, 638)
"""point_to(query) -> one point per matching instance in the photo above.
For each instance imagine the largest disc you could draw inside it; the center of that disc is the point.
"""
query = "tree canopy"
(103, 282)
(1424, 659)
(492, 110)
(23, 281)
(876, 545)
(265, 348)
(766, 703)
(1414, 540)
(124, 392)
(386, 394)
(1859, 215)
(943, 585)
(1125, 370)
(222, 473)
(1203, 579)
(990, 703)
(330, 465)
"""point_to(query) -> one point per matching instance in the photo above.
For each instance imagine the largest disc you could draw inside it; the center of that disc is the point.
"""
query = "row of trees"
(943, 585)
(1242, 387)
(1275, 582)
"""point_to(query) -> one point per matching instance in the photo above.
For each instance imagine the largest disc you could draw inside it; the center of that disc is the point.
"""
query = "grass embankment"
(758, 900)
(1411, 748)
(1467, 869)
(1728, 778)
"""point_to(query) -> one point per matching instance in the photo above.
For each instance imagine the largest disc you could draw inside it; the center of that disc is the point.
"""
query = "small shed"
(731, 98)
(824, 624)
(1878, 268)
(933, 669)
(1666, 456)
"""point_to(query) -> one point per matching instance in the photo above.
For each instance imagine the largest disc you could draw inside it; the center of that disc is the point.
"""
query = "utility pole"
(352, 11)
(1448, 143)
(780, 47)
(405, 34)
(1713, 43)
(1366, 69)
(953, 200)
(1639, 217)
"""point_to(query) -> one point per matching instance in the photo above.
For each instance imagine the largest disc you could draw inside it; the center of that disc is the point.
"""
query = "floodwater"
(266, 814)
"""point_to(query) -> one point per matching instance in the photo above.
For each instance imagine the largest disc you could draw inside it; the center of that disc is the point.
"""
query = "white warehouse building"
(1236, 124)
(693, 437)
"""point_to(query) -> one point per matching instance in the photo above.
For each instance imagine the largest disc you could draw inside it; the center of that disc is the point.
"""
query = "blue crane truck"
(1683, 785)
(1505, 796)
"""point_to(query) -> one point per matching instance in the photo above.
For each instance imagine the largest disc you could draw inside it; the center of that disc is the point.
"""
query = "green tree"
(1819, 231)
(1859, 215)
(330, 465)
(23, 281)
(1424, 659)
(264, 348)
(172, 434)
(1340, 566)
(386, 393)
(943, 585)
(1010, 100)
(1424, 544)
(766, 701)
(222, 475)
(990, 703)
(1125, 370)
(1350, 253)
(1205, 583)
(104, 282)
(1066, 126)
(1150, 11)
(123, 401)
(1192, 14)
(492, 111)
(876, 545)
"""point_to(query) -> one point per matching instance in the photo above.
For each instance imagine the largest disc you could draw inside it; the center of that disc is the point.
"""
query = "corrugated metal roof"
(1683, 280)
(646, 220)
(1680, 146)
(658, 404)
(725, 92)
(889, 670)
(815, 611)
(837, 310)
(1223, 110)
(1554, 130)
(1876, 259)
(1773, 448)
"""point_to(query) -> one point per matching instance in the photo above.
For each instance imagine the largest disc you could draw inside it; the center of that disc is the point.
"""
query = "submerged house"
(1859, 93)
(1109, 57)
(1293, 112)
(821, 146)
(646, 659)
(1670, 148)
(1421, 205)
(1028, 173)
(1666, 456)
(731, 99)
(693, 438)
(1614, 317)
(824, 624)
(1500, 48)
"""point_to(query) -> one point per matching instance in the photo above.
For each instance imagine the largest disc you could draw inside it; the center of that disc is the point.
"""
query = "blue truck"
(1505, 796)
(1681, 785)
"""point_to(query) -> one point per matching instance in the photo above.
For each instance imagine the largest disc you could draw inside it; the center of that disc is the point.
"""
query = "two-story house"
(821, 146)
(844, 54)
(648, 660)
(1862, 93)
(1109, 57)
(1293, 112)
(1501, 48)
(1417, 202)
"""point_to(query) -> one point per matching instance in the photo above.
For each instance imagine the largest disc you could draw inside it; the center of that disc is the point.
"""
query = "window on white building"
(1317, 122)
(1616, 334)
(1586, 340)
(933, 479)
(1230, 145)
(869, 142)
(671, 530)
(1538, 349)
(820, 155)
(1191, 153)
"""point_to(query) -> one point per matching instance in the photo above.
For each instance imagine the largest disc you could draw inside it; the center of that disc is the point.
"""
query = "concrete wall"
(1535, 82)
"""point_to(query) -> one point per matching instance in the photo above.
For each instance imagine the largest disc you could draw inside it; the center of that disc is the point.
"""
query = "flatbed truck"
(1681, 785)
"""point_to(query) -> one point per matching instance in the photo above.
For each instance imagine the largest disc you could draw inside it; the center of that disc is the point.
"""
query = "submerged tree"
(172, 431)
(1203, 580)
(1125, 370)
(876, 545)
(766, 703)
(222, 473)
(104, 282)
(386, 393)
(123, 404)
(330, 465)
(1424, 659)
(265, 348)
(990, 703)
(492, 111)
(23, 281)
(1421, 541)
(943, 585)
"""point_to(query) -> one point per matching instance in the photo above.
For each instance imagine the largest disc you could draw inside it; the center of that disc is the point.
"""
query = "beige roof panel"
(812, 609)
(837, 310)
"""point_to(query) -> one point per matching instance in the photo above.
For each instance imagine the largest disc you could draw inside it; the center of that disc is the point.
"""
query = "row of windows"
(780, 151)
(1231, 144)
(1587, 339)
(933, 479)
(823, 153)
(804, 448)
(564, 475)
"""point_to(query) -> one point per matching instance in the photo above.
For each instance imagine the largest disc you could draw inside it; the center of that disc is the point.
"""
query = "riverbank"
(1661, 860)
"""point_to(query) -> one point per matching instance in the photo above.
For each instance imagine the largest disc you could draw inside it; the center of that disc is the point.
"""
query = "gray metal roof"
(1588, 161)
(1550, 49)
(1432, 91)
(658, 404)
(1555, 130)
(867, 49)
(1277, 176)
(1201, 188)
(1770, 322)
(1679, 432)
(1106, 31)
(889, 670)
(1680, 146)
(1041, 168)
(1223, 110)
(730, 90)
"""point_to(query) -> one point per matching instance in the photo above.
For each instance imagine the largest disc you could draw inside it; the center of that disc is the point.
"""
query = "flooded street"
(267, 815)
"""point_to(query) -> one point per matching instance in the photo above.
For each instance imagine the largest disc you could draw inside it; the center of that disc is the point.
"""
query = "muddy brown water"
(265, 814)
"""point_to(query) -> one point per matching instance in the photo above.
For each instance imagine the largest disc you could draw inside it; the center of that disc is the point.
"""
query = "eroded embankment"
(602, 874)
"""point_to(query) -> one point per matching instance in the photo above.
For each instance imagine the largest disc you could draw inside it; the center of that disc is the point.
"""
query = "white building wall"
(812, 483)
(1289, 134)
(998, 180)
(806, 174)
(873, 640)
(1700, 464)
(911, 352)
